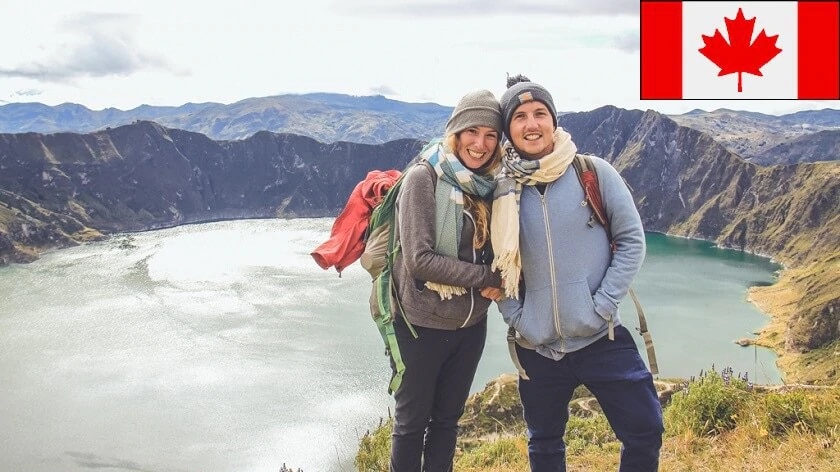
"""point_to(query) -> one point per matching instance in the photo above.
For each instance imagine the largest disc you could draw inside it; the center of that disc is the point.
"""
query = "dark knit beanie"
(521, 90)
(475, 109)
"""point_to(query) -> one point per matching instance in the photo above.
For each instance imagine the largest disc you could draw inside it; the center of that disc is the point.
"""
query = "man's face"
(532, 130)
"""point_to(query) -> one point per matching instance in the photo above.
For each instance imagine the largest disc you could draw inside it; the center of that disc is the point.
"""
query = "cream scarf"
(504, 226)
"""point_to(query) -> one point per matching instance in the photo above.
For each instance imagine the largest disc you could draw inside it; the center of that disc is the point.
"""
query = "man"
(564, 306)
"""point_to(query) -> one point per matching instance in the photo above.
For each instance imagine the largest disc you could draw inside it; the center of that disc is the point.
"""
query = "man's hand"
(493, 293)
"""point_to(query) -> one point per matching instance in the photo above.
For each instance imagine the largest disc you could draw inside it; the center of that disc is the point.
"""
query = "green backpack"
(381, 247)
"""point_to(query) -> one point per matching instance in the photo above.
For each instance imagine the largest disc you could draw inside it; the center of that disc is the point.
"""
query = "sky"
(124, 54)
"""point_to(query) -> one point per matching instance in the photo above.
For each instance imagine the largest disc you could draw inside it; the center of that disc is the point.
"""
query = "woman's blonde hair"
(477, 206)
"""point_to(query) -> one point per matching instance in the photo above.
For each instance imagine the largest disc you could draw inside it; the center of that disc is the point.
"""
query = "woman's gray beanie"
(478, 108)
(522, 92)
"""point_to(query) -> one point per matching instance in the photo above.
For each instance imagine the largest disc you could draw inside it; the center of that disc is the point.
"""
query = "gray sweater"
(417, 262)
(572, 282)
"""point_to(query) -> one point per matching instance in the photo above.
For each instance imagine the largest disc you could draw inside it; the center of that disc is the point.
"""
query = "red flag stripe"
(819, 50)
(661, 50)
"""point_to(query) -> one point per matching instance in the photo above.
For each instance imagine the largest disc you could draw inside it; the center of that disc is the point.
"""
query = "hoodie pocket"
(537, 321)
(578, 318)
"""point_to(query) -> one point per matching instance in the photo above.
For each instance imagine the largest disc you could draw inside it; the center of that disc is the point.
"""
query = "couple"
(564, 305)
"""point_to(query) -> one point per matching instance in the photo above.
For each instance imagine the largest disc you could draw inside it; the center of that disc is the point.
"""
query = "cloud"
(93, 461)
(383, 90)
(473, 8)
(28, 92)
(627, 41)
(103, 46)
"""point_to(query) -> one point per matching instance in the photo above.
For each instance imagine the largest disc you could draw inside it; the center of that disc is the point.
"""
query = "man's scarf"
(504, 226)
(453, 181)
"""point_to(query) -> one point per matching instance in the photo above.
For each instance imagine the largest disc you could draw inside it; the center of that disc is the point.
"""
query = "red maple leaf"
(738, 55)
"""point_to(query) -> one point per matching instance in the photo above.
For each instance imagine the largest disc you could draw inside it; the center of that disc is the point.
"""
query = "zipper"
(556, 312)
(472, 289)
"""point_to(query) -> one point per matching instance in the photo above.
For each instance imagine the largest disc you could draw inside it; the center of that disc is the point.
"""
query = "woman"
(443, 282)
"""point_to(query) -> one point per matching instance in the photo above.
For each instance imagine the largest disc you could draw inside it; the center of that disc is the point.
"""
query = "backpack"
(381, 247)
(588, 178)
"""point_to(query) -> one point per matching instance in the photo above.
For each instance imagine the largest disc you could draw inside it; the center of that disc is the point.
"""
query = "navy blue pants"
(618, 378)
(439, 370)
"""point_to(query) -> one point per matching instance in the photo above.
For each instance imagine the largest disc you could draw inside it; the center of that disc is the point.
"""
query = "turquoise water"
(224, 347)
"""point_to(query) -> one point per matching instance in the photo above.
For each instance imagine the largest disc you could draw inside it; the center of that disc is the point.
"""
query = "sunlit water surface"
(224, 347)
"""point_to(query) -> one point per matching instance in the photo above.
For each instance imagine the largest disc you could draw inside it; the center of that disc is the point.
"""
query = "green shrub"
(591, 431)
(501, 453)
(707, 406)
(802, 412)
(375, 449)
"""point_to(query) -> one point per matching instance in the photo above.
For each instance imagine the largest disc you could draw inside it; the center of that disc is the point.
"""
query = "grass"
(715, 422)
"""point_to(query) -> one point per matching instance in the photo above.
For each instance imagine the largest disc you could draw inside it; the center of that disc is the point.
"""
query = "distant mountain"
(820, 146)
(331, 117)
(753, 135)
(71, 117)
(322, 116)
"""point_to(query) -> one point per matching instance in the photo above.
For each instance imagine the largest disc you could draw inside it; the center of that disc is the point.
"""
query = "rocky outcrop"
(766, 139)
(820, 146)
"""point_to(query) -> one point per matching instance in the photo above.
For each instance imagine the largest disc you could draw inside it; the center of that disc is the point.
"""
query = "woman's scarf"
(504, 226)
(454, 179)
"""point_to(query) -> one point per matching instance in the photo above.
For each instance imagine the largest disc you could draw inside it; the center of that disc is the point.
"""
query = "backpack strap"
(643, 330)
(384, 293)
(588, 178)
(511, 341)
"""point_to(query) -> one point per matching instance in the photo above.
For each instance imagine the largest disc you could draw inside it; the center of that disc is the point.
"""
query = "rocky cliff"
(686, 183)
(60, 189)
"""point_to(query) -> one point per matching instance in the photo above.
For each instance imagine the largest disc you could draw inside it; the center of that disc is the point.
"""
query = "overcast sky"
(127, 53)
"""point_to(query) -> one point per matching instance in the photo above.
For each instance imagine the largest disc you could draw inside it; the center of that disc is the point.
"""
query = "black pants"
(439, 370)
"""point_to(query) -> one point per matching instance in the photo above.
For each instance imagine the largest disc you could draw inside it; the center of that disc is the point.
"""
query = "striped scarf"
(504, 226)
(453, 181)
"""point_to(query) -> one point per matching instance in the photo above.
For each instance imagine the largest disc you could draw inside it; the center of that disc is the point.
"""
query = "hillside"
(714, 422)
(754, 136)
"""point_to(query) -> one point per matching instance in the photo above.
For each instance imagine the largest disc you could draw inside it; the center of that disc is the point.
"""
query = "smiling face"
(532, 130)
(476, 146)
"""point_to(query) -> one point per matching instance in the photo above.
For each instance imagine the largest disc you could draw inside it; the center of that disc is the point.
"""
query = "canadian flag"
(740, 50)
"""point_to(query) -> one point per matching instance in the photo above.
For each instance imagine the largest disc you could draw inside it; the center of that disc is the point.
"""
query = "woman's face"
(476, 146)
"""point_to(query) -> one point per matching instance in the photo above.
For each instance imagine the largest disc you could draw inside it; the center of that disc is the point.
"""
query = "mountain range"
(67, 188)
(323, 116)
(760, 138)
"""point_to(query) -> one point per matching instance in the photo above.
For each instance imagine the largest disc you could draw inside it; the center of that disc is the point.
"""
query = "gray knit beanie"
(521, 90)
(478, 108)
